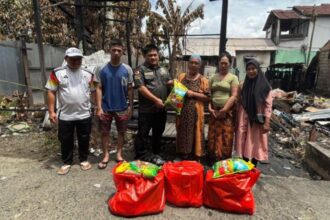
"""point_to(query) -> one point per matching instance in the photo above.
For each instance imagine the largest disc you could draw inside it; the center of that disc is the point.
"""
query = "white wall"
(321, 36)
(262, 56)
(321, 32)
(292, 44)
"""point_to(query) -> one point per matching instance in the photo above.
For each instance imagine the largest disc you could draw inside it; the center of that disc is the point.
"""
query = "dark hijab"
(254, 91)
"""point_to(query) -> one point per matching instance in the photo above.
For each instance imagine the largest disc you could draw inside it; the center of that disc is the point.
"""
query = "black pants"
(147, 121)
(66, 137)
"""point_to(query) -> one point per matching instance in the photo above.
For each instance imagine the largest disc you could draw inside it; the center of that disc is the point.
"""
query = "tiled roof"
(297, 12)
(287, 14)
(320, 10)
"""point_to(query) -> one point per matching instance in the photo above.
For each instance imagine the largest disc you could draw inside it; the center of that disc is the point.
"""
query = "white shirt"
(73, 89)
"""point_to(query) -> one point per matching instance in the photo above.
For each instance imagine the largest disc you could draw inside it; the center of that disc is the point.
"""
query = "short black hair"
(148, 48)
(116, 42)
(225, 54)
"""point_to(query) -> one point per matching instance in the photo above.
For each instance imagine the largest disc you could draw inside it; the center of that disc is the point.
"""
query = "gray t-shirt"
(73, 91)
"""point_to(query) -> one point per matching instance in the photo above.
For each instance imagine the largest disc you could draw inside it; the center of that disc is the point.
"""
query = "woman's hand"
(190, 93)
(212, 111)
(266, 125)
(221, 114)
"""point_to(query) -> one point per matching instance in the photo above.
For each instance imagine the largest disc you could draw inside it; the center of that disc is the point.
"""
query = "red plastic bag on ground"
(184, 183)
(232, 193)
(137, 195)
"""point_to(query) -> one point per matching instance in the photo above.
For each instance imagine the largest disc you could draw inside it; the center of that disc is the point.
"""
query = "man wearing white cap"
(73, 85)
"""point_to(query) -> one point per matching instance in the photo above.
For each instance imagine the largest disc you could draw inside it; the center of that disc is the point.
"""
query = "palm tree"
(176, 23)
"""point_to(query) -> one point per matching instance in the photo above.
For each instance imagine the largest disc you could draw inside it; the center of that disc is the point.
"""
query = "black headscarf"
(254, 92)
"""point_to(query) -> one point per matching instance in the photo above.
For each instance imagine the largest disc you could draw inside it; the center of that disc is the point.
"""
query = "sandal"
(85, 165)
(102, 165)
(64, 169)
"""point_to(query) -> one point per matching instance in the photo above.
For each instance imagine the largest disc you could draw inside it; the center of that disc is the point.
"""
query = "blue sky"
(246, 18)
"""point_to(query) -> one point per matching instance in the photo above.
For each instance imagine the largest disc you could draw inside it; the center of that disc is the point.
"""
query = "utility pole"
(128, 28)
(37, 24)
(223, 26)
(167, 36)
(313, 20)
(223, 30)
(80, 24)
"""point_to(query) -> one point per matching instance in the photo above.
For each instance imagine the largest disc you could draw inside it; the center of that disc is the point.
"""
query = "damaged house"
(297, 31)
(298, 34)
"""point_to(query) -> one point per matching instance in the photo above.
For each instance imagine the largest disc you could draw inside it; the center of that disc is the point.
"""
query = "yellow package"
(176, 98)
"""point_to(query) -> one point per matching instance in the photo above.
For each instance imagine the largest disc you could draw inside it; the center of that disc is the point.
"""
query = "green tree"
(176, 23)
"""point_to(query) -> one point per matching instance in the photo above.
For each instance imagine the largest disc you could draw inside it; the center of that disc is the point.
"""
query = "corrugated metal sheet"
(11, 68)
(210, 46)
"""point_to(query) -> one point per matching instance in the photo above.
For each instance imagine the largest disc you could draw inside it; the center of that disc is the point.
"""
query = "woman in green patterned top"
(224, 91)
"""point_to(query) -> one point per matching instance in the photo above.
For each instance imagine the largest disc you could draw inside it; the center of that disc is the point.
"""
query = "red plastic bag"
(232, 193)
(184, 183)
(137, 195)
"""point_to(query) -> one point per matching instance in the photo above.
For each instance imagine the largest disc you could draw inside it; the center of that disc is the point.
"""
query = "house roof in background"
(320, 10)
(210, 46)
(297, 12)
(287, 14)
(326, 46)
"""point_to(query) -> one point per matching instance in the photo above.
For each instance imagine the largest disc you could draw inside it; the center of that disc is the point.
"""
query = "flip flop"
(64, 170)
(103, 166)
(118, 161)
(85, 165)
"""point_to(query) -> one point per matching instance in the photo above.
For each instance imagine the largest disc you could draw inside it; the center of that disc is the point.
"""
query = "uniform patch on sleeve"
(137, 74)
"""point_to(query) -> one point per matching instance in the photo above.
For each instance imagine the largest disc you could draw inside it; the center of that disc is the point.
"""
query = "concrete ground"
(31, 189)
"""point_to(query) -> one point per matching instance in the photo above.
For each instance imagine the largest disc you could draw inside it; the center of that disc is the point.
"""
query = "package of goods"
(231, 193)
(138, 167)
(137, 195)
(176, 98)
(230, 166)
(184, 183)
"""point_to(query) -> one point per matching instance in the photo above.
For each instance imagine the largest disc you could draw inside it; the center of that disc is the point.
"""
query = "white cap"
(73, 52)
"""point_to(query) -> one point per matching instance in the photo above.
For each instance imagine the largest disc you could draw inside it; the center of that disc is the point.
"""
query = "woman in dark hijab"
(254, 112)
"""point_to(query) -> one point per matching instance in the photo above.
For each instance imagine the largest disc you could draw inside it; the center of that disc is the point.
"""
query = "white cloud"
(246, 18)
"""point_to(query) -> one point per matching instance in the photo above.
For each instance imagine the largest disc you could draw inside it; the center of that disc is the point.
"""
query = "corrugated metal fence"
(12, 71)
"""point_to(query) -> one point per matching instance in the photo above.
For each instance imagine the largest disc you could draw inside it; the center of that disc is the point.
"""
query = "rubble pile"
(299, 118)
(15, 115)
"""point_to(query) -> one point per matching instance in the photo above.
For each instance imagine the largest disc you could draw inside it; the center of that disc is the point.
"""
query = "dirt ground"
(31, 189)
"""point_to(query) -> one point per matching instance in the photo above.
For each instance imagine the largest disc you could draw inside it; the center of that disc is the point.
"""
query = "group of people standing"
(237, 111)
